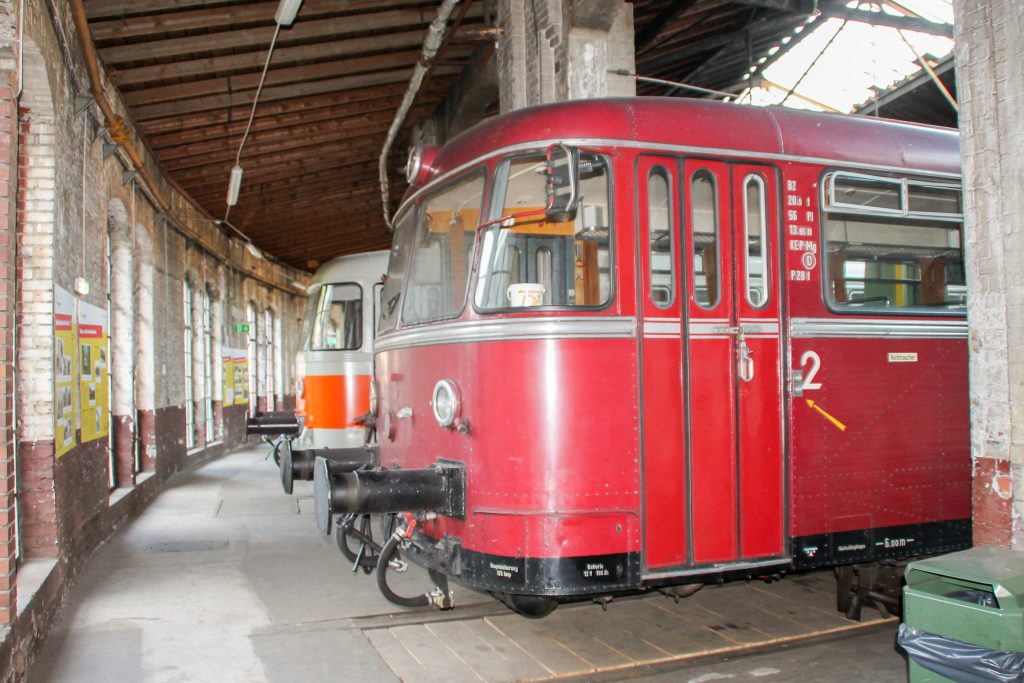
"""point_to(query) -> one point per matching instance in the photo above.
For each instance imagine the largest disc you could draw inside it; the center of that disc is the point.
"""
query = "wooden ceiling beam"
(889, 20)
(329, 175)
(279, 150)
(254, 59)
(259, 37)
(349, 165)
(173, 145)
(281, 92)
(102, 9)
(384, 95)
(136, 25)
(669, 14)
(249, 82)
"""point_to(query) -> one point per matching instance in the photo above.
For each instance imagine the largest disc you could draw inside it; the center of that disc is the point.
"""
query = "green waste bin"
(968, 604)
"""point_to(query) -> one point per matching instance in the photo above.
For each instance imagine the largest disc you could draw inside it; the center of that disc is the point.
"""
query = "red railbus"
(632, 343)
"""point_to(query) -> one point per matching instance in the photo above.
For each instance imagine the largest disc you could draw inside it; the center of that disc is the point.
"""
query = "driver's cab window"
(338, 323)
(442, 251)
(530, 260)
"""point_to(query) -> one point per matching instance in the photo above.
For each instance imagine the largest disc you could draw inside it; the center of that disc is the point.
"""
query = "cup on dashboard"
(526, 294)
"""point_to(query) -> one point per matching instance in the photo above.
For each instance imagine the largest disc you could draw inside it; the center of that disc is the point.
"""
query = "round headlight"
(445, 402)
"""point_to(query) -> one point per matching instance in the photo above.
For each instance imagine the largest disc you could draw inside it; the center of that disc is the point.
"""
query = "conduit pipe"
(120, 134)
(115, 124)
(432, 44)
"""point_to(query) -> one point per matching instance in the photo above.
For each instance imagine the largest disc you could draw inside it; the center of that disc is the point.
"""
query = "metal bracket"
(82, 102)
(129, 175)
(108, 150)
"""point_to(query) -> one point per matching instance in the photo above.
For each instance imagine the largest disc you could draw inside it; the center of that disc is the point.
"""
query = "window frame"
(409, 211)
(420, 211)
(319, 311)
(828, 189)
(188, 323)
(494, 208)
(715, 198)
(666, 175)
(765, 242)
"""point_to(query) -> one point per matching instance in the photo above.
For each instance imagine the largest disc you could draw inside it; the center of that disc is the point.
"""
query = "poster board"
(241, 368)
(93, 367)
(227, 369)
(65, 369)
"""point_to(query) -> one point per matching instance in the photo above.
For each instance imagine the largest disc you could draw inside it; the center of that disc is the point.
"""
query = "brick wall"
(8, 155)
(57, 196)
(555, 50)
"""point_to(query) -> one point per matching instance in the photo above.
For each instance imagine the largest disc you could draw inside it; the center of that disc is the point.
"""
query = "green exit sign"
(241, 327)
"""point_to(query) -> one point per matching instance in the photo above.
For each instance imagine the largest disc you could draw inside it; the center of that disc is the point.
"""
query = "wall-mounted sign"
(241, 327)
(65, 368)
(93, 366)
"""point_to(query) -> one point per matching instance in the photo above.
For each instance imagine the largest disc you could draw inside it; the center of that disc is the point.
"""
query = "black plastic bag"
(959, 661)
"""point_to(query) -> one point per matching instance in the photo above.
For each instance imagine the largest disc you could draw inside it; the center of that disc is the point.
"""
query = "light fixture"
(253, 250)
(445, 402)
(234, 185)
(286, 11)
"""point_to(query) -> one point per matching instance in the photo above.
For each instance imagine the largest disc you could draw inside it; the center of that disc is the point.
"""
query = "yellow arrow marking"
(828, 417)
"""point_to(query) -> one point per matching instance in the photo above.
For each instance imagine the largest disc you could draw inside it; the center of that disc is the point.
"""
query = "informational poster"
(93, 366)
(65, 367)
(227, 364)
(241, 366)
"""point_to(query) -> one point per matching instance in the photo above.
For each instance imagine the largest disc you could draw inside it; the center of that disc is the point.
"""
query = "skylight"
(837, 65)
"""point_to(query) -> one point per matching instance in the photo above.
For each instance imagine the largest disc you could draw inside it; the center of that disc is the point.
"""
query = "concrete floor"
(224, 578)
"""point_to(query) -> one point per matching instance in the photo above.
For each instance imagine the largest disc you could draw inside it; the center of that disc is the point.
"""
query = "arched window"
(250, 319)
(269, 358)
(208, 366)
(190, 416)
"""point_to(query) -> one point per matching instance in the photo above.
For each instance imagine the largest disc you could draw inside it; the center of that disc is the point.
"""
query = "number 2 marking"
(812, 358)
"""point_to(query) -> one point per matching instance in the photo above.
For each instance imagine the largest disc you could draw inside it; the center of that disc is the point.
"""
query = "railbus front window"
(338, 322)
(401, 246)
(312, 306)
(536, 262)
(704, 216)
(893, 245)
(444, 243)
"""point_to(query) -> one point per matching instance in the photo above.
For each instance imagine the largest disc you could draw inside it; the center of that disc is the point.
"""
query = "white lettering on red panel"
(801, 242)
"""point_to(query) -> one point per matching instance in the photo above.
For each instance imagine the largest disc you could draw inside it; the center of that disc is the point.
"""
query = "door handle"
(745, 362)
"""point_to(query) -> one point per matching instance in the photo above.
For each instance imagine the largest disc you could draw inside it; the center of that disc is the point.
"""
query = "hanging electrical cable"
(285, 15)
(432, 44)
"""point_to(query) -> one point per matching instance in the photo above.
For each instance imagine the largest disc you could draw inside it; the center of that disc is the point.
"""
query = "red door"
(721, 499)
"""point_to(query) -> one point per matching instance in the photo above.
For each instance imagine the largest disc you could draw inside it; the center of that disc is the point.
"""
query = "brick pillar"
(556, 50)
(989, 42)
(8, 213)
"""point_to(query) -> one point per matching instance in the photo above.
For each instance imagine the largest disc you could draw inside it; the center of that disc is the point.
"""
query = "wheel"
(530, 606)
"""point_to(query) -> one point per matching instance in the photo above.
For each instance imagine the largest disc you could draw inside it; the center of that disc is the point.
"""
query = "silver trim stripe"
(511, 329)
(904, 329)
(663, 328)
(686, 150)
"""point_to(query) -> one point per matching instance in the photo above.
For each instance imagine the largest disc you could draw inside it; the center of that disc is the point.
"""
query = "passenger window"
(756, 234)
(911, 262)
(704, 219)
(445, 237)
(659, 235)
(339, 319)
